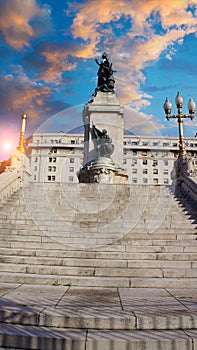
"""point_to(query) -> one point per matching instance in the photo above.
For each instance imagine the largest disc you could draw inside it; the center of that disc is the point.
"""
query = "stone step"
(97, 263)
(141, 251)
(53, 243)
(72, 239)
(107, 232)
(20, 337)
(142, 226)
(68, 251)
(137, 271)
(186, 255)
(104, 282)
(95, 318)
(24, 337)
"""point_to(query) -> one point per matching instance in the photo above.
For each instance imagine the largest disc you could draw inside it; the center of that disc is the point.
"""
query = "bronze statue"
(103, 141)
(106, 80)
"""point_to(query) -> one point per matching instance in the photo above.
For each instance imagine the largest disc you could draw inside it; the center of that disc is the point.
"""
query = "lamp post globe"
(191, 106)
(179, 100)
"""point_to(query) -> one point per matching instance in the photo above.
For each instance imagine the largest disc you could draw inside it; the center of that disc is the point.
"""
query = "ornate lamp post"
(180, 116)
(22, 133)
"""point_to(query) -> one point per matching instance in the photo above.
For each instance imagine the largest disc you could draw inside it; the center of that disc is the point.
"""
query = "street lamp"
(180, 116)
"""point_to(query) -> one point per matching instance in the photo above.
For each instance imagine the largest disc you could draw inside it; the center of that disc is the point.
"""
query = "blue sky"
(48, 50)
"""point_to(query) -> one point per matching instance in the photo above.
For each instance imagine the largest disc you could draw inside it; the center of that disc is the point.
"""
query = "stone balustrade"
(188, 185)
(15, 175)
(10, 182)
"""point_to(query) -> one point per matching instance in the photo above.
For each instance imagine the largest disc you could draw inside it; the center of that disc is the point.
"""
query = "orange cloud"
(61, 57)
(25, 96)
(56, 63)
(15, 17)
(140, 45)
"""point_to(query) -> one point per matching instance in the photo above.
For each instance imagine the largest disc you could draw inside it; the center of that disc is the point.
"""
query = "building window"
(165, 154)
(155, 162)
(124, 161)
(174, 144)
(134, 171)
(54, 150)
(144, 161)
(134, 162)
(155, 171)
(165, 171)
(155, 154)
(166, 181)
(145, 180)
(71, 169)
(70, 178)
(165, 162)
(36, 159)
(72, 160)
(144, 153)
(35, 178)
(134, 180)
(52, 160)
(72, 142)
(145, 171)
(35, 168)
(155, 181)
(155, 143)
(165, 144)
(134, 153)
(51, 178)
(52, 168)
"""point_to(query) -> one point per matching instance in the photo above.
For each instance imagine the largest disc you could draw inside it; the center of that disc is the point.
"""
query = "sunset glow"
(7, 146)
(48, 51)
(8, 143)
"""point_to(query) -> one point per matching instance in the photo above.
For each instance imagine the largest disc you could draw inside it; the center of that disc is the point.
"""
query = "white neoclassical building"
(148, 159)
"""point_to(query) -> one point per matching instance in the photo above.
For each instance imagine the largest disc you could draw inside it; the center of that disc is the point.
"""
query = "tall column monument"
(103, 131)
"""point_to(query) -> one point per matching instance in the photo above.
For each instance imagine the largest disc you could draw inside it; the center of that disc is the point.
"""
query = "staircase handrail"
(10, 182)
(189, 186)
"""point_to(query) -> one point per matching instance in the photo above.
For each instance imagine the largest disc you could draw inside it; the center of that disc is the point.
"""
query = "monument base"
(102, 171)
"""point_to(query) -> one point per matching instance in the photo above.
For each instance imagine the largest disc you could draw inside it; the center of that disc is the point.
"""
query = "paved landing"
(111, 318)
(98, 308)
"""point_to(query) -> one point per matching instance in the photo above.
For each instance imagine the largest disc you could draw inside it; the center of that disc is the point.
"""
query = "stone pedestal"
(105, 113)
(102, 171)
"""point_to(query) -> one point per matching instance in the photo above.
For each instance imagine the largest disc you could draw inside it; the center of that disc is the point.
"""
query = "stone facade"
(147, 159)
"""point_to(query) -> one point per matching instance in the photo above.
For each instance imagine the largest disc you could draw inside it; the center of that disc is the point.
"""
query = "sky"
(48, 69)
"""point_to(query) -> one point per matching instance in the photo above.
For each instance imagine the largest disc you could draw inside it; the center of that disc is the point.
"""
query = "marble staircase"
(98, 235)
(87, 267)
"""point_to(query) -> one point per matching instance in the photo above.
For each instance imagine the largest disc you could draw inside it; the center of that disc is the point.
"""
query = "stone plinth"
(103, 171)
(104, 112)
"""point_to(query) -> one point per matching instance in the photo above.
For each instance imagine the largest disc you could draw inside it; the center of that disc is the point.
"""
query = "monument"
(103, 131)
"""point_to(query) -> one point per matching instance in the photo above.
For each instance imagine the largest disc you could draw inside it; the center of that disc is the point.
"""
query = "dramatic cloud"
(140, 45)
(18, 19)
(49, 60)
(19, 94)
(48, 51)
